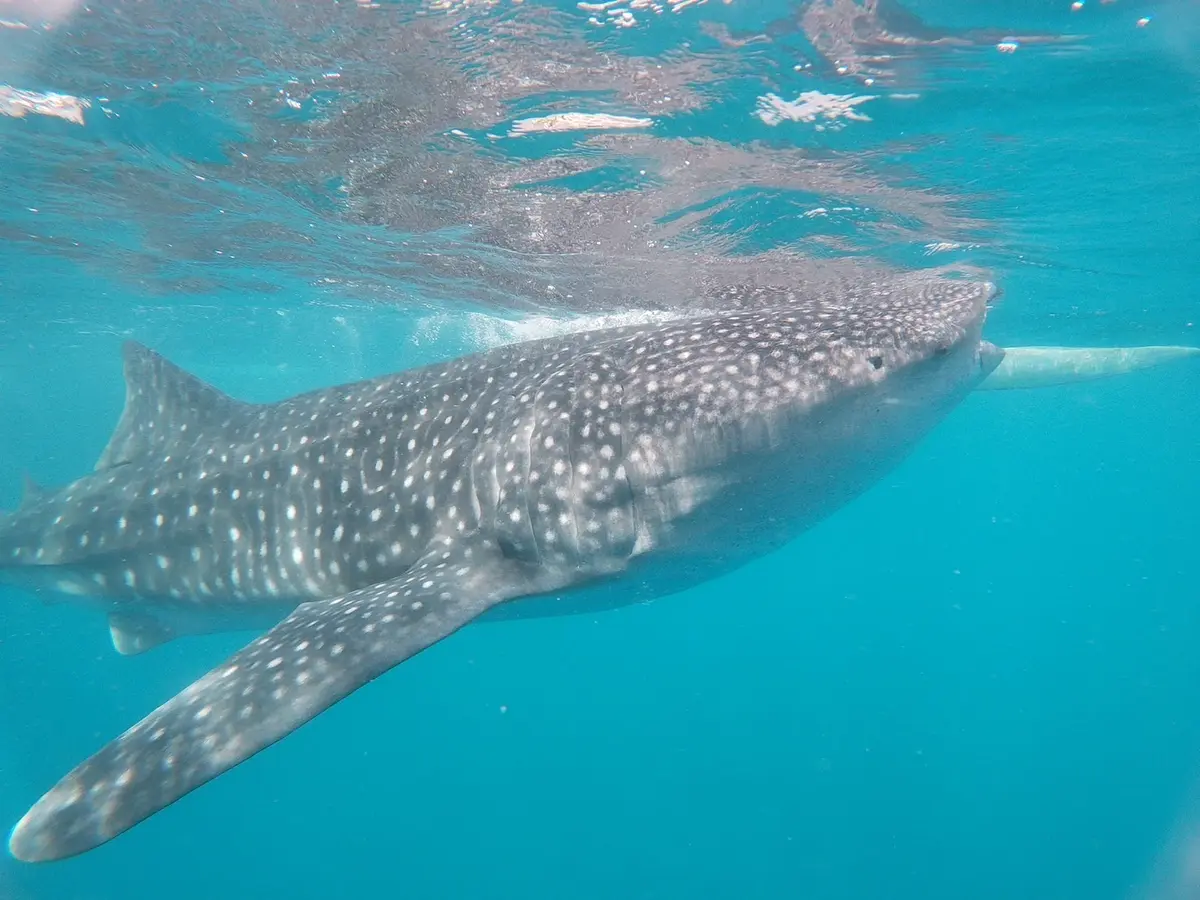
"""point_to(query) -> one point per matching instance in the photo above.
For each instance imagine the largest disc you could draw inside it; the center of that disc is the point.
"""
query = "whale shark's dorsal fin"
(165, 407)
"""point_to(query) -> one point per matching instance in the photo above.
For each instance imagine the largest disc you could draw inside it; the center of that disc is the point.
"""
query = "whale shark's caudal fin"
(316, 656)
(165, 408)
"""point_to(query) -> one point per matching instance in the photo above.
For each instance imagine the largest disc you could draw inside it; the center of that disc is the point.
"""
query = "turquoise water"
(977, 680)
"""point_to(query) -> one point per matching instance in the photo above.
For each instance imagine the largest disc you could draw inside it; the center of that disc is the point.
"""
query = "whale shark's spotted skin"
(595, 468)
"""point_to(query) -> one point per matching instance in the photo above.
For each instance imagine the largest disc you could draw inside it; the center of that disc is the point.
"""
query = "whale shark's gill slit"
(318, 655)
(166, 409)
(527, 472)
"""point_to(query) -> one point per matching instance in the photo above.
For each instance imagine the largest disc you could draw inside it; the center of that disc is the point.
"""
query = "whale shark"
(368, 521)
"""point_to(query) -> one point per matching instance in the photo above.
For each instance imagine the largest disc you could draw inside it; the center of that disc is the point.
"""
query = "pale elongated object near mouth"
(1034, 367)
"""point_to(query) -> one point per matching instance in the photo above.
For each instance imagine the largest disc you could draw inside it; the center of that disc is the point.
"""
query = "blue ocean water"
(977, 680)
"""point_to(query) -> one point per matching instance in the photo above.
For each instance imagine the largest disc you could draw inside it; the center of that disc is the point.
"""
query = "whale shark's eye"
(876, 361)
(941, 351)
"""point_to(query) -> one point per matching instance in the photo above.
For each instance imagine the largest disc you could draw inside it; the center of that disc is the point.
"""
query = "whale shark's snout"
(942, 315)
(984, 295)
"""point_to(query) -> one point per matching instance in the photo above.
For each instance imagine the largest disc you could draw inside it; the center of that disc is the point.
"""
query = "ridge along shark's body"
(597, 468)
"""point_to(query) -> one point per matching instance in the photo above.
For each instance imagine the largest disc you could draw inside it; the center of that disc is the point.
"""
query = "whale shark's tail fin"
(319, 654)
(166, 409)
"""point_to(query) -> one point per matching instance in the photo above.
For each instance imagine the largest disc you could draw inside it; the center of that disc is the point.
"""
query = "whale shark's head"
(894, 321)
(926, 341)
(924, 324)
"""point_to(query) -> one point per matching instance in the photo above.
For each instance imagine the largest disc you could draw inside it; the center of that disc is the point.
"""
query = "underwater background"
(978, 680)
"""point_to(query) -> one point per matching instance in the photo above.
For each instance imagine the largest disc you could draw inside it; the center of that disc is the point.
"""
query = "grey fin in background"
(165, 408)
(315, 657)
(134, 633)
(32, 492)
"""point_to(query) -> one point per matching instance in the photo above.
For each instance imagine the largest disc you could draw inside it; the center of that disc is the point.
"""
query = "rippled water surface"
(979, 680)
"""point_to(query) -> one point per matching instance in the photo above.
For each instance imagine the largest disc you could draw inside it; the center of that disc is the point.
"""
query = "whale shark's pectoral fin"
(165, 408)
(134, 633)
(316, 656)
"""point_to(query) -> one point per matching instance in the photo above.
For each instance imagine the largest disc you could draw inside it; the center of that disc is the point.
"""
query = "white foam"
(830, 111)
(18, 103)
(483, 332)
